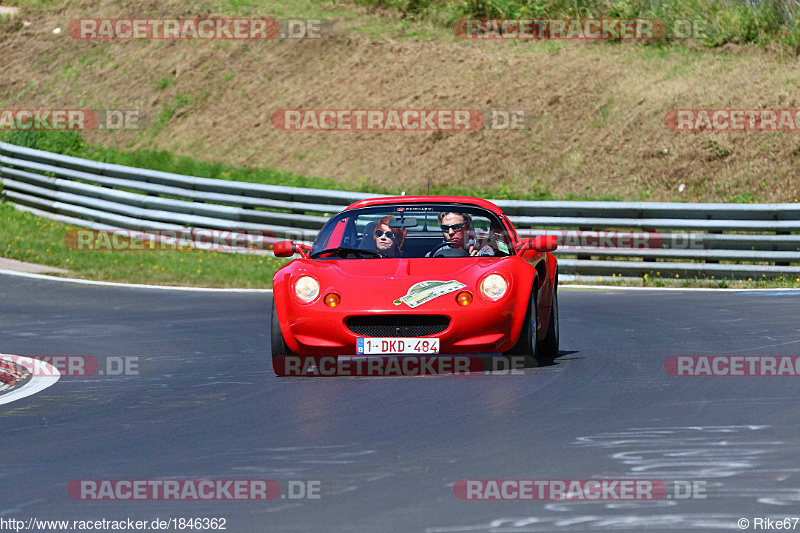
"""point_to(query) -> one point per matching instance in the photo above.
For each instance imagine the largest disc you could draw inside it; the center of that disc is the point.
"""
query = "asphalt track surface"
(388, 450)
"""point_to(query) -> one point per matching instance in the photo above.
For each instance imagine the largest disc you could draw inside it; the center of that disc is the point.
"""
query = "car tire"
(548, 347)
(526, 345)
(278, 344)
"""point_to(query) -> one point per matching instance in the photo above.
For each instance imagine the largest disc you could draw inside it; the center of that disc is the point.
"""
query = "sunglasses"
(454, 227)
(389, 234)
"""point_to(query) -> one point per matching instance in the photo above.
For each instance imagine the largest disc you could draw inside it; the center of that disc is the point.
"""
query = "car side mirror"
(542, 243)
(545, 243)
(284, 249)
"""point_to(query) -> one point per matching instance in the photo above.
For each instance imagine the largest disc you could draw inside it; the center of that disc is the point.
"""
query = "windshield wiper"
(344, 252)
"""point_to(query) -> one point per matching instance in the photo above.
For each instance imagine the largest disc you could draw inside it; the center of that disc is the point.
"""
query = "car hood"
(380, 275)
(385, 284)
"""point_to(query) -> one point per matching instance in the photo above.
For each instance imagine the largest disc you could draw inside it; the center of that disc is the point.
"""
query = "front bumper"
(485, 328)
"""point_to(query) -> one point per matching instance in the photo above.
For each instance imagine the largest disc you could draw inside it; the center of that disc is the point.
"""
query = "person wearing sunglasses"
(388, 241)
(456, 230)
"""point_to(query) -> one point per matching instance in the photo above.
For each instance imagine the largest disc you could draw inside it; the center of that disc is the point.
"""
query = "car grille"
(397, 325)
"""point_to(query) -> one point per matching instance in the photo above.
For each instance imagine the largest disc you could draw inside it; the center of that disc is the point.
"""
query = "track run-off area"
(201, 403)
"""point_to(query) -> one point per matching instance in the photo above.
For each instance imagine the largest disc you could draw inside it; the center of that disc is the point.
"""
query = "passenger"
(388, 241)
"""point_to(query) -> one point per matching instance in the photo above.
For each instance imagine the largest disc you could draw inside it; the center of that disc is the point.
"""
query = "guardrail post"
(713, 261)
(782, 263)
(584, 256)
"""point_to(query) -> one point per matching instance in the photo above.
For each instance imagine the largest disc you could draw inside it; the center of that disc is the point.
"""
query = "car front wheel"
(526, 345)
(548, 347)
(278, 344)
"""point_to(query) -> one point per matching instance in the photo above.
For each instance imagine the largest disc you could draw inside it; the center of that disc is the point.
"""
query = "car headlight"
(494, 286)
(306, 288)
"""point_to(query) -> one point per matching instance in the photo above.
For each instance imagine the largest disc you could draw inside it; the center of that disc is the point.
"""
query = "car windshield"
(413, 231)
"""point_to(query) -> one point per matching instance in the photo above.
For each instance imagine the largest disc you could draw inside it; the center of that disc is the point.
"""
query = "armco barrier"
(695, 240)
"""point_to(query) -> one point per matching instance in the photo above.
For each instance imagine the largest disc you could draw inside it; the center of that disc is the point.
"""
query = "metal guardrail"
(694, 240)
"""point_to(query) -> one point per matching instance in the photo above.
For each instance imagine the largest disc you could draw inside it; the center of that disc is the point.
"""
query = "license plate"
(396, 345)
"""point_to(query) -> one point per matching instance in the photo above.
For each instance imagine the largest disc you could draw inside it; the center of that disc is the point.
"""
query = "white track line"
(37, 383)
(212, 289)
(659, 289)
(123, 285)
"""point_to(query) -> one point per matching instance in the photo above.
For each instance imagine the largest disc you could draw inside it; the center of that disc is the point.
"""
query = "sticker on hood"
(425, 291)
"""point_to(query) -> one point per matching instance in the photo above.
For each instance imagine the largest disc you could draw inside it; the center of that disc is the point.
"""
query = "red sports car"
(417, 275)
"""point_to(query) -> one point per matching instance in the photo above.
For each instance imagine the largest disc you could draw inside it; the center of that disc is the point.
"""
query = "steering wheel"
(450, 252)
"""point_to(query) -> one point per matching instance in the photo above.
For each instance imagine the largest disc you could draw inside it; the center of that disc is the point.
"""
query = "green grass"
(180, 102)
(165, 83)
(71, 143)
(31, 3)
(711, 22)
(26, 237)
(94, 57)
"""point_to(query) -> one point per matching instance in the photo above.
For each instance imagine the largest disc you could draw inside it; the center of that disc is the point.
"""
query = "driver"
(455, 228)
